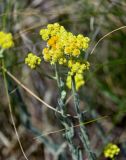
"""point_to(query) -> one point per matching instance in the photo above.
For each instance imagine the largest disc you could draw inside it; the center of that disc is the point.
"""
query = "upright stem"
(66, 122)
(84, 137)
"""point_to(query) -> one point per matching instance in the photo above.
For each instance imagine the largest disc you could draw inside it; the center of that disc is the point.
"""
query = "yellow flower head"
(32, 60)
(67, 49)
(58, 37)
(6, 40)
(111, 150)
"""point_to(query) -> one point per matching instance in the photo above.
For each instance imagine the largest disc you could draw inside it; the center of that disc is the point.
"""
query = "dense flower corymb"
(111, 150)
(32, 60)
(62, 44)
(66, 49)
(6, 40)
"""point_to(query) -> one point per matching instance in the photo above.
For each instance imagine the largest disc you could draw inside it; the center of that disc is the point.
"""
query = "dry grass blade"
(11, 113)
(16, 36)
(29, 91)
(106, 36)
(78, 125)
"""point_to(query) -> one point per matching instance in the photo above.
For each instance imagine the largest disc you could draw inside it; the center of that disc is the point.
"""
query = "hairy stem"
(66, 122)
(84, 136)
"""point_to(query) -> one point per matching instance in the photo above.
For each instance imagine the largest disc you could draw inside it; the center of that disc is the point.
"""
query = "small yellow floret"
(32, 60)
(62, 61)
(76, 52)
(52, 41)
(6, 40)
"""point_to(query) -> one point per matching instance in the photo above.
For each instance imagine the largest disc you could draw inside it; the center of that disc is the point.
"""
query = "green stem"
(67, 123)
(7, 5)
(84, 137)
(57, 77)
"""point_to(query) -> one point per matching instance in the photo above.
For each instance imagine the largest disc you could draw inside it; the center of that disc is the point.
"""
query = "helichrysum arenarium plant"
(67, 50)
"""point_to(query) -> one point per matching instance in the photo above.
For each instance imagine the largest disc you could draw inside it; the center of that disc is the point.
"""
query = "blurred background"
(104, 93)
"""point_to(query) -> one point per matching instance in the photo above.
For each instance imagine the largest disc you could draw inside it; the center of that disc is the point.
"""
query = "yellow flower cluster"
(79, 81)
(76, 69)
(66, 49)
(6, 40)
(32, 60)
(111, 150)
